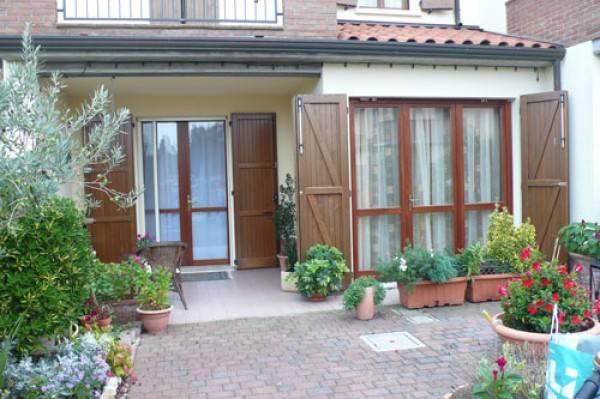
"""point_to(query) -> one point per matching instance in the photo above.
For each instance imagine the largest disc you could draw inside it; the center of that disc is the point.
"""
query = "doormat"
(205, 276)
(394, 341)
(415, 316)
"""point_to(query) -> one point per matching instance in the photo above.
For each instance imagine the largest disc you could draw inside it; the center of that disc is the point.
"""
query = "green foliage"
(285, 220)
(497, 382)
(506, 241)
(417, 264)
(47, 269)
(117, 281)
(39, 146)
(153, 291)
(355, 293)
(582, 238)
(119, 359)
(471, 259)
(322, 273)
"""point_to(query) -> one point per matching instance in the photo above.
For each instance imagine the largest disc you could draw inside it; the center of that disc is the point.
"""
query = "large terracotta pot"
(317, 298)
(155, 321)
(288, 286)
(428, 294)
(513, 336)
(366, 308)
(485, 287)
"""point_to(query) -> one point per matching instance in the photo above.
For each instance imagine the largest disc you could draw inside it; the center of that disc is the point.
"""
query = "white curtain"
(378, 183)
(431, 143)
(168, 180)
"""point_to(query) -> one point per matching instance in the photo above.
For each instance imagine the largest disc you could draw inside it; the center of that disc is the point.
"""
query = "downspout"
(557, 77)
(457, 20)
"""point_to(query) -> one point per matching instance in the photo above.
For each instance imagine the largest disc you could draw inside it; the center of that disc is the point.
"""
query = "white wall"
(403, 81)
(490, 15)
(581, 78)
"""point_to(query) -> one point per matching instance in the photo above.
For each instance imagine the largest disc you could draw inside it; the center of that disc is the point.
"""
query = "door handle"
(189, 203)
(412, 201)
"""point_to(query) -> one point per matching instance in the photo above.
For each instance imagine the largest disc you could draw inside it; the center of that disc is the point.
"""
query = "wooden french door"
(545, 164)
(185, 177)
(255, 189)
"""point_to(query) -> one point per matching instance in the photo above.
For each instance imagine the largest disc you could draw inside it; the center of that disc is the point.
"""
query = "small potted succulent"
(321, 274)
(363, 295)
(582, 240)
(285, 223)
(424, 278)
(153, 300)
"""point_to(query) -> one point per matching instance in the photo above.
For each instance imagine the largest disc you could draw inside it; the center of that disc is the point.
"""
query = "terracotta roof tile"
(432, 34)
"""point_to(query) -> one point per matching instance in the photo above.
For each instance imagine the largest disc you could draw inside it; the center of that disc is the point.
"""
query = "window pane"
(169, 227)
(148, 160)
(434, 231)
(207, 164)
(168, 172)
(367, 3)
(377, 158)
(210, 235)
(431, 140)
(394, 4)
(481, 136)
(476, 226)
(379, 238)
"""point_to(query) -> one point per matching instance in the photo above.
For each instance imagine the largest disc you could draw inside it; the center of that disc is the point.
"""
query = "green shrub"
(322, 273)
(325, 252)
(46, 273)
(117, 281)
(471, 259)
(417, 264)
(355, 293)
(153, 291)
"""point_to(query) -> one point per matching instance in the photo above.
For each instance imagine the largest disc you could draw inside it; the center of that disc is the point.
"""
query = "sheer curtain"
(431, 142)
(168, 181)
(482, 169)
(378, 183)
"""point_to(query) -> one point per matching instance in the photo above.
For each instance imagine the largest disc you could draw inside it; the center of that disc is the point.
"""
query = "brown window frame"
(458, 208)
(381, 4)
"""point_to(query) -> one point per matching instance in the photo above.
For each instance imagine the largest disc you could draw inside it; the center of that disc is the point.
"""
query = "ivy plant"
(354, 295)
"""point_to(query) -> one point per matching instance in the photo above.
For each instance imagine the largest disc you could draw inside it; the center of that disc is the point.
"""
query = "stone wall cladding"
(567, 22)
(301, 19)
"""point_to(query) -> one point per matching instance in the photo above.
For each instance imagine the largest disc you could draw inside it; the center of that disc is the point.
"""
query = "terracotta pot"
(428, 294)
(155, 321)
(317, 298)
(288, 286)
(366, 308)
(485, 287)
(282, 262)
(513, 336)
(104, 322)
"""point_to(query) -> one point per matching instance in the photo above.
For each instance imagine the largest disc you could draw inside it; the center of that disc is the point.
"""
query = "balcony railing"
(172, 11)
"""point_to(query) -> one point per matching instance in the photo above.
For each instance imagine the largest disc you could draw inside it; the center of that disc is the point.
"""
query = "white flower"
(403, 265)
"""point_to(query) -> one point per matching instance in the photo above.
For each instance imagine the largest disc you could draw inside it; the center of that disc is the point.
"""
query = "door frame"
(273, 117)
(456, 105)
(139, 173)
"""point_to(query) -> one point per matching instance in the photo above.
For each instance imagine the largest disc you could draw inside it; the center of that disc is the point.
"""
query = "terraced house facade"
(401, 120)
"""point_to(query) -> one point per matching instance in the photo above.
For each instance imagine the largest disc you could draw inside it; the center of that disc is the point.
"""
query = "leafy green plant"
(285, 221)
(153, 291)
(325, 252)
(322, 273)
(417, 264)
(582, 238)
(495, 382)
(46, 273)
(506, 241)
(356, 292)
(472, 259)
(117, 281)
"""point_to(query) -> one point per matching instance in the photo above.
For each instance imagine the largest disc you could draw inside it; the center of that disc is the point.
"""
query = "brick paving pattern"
(318, 355)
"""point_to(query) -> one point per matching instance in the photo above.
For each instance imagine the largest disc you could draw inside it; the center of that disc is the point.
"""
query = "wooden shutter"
(113, 229)
(323, 172)
(545, 164)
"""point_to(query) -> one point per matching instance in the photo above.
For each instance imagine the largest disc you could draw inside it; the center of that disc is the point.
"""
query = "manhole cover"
(395, 341)
(415, 316)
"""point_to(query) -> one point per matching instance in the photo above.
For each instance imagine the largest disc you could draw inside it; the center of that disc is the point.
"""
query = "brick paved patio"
(317, 355)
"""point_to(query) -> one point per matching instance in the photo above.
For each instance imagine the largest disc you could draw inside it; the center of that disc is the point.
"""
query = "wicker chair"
(167, 254)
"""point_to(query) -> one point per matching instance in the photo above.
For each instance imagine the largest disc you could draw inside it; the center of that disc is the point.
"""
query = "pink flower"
(526, 253)
(536, 266)
(578, 268)
(495, 374)
(503, 291)
(109, 374)
(501, 362)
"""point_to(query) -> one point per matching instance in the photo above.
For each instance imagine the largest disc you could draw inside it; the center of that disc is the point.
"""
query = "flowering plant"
(528, 301)
(582, 238)
(120, 360)
(496, 382)
(142, 241)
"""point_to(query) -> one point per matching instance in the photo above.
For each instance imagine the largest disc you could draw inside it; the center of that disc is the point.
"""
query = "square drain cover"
(395, 341)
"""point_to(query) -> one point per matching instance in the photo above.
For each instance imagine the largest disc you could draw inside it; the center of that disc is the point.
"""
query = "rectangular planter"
(485, 287)
(124, 311)
(428, 294)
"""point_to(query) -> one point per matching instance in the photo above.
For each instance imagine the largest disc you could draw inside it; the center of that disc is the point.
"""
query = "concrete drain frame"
(394, 341)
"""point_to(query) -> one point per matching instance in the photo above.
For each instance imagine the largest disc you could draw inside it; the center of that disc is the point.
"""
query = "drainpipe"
(557, 77)
(457, 21)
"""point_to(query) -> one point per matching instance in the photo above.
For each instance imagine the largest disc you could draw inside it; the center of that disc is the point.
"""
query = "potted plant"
(321, 274)
(153, 301)
(285, 223)
(528, 303)
(363, 295)
(582, 240)
(424, 278)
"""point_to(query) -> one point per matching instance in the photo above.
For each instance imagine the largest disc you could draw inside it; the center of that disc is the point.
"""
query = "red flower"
(540, 303)
(501, 362)
(503, 291)
(587, 314)
(578, 268)
(597, 306)
(549, 307)
(532, 310)
(561, 317)
(563, 270)
(555, 297)
(569, 284)
(575, 320)
(544, 282)
(495, 374)
(537, 266)
(528, 283)
(525, 253)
